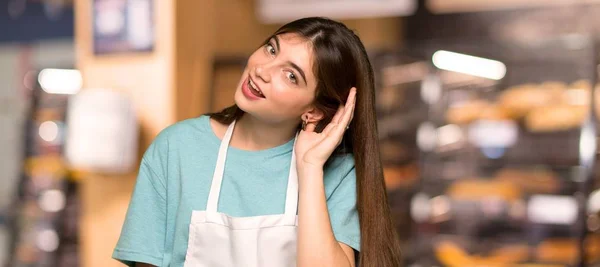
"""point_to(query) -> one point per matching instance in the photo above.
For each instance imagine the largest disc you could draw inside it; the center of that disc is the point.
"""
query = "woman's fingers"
(353, 108)
(343, 110)
(334, 121)
(338, 114)
(336, 133)
(342, 118)
(310, 127)
(348, 110)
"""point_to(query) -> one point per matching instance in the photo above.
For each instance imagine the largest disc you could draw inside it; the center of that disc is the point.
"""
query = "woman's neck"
(252, 134)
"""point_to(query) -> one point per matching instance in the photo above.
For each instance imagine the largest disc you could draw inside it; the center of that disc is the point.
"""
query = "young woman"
(288, 176)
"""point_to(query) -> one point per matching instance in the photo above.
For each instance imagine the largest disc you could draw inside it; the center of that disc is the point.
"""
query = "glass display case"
(507, 152)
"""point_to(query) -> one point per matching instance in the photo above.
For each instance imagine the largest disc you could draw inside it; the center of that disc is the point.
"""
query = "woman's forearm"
(317, 245)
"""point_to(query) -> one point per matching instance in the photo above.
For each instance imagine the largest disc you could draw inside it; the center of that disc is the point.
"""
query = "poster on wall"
(34, 21)
(123, 26)
(281, 11)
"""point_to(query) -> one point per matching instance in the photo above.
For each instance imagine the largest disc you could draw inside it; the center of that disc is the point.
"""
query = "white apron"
(219, 240)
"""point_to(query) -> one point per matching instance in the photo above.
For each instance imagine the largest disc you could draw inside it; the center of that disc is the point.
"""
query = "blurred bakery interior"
(488, 115)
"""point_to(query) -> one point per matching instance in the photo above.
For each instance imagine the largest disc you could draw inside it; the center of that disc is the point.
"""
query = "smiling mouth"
(254, 89)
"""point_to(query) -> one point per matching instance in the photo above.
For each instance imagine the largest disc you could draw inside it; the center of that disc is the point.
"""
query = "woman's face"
(278, 84)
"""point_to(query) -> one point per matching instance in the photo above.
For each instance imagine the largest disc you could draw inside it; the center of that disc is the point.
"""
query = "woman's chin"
(248, 107)
(241, 101)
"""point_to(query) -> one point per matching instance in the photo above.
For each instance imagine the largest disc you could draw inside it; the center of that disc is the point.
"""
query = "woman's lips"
(254, 87)
(249, 92)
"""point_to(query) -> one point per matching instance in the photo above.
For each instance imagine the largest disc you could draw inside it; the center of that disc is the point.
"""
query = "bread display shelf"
(452, 250)
(504, 179)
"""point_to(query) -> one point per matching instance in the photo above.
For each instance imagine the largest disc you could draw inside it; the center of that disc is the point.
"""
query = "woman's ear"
(313, 115)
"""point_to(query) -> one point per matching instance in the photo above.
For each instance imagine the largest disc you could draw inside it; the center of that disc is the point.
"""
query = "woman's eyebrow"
(299, 70)
(276, 42)
(294, 65)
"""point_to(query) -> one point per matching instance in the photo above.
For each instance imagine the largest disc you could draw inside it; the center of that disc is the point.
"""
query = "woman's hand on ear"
(312, 148)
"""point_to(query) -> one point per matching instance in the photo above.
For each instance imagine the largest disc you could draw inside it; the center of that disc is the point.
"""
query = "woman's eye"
(292, 77)
(270, 49)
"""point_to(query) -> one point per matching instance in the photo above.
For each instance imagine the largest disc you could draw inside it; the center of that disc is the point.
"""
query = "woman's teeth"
(254, 88)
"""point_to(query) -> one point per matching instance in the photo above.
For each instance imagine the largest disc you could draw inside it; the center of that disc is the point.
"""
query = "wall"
(148, 79)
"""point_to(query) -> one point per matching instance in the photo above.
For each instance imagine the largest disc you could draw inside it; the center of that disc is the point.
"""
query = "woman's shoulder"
(193, 127)
(339, 166)
(343, 160)
(182, 134)
(340, 177)
(179, 137)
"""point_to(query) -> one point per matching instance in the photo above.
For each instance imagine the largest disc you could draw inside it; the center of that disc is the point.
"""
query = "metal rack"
(43, 218)
(454, 222)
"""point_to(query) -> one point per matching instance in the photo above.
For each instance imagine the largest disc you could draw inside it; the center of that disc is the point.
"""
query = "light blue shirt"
(175, 177)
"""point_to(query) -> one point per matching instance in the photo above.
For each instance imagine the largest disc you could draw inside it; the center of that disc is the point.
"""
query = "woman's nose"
(262, 73)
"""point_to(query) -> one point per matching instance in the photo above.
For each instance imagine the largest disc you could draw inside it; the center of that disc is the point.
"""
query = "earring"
(303, 125)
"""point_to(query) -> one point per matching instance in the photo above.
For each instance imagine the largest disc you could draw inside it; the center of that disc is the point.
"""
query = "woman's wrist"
(309, 168)
(309, 173)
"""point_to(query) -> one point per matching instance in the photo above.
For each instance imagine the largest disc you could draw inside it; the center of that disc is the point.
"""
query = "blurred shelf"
(489, 175)
(454, 6)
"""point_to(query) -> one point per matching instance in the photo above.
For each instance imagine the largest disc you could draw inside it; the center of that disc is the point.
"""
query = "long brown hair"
(342, 63)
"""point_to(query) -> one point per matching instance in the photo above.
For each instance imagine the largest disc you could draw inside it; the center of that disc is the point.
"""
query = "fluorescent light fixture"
(493, 134)
(48, 131)
(449, 134)
(475, 66)
(277, 11)
(587, 144)
(60, 81)
(552, 209)
(52, 200)
(594, 202)
(427, 136)
(47, 240)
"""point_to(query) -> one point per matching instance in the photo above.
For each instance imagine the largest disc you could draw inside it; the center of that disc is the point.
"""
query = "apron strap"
(291, 196)
(215, 188)
(291, 199)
